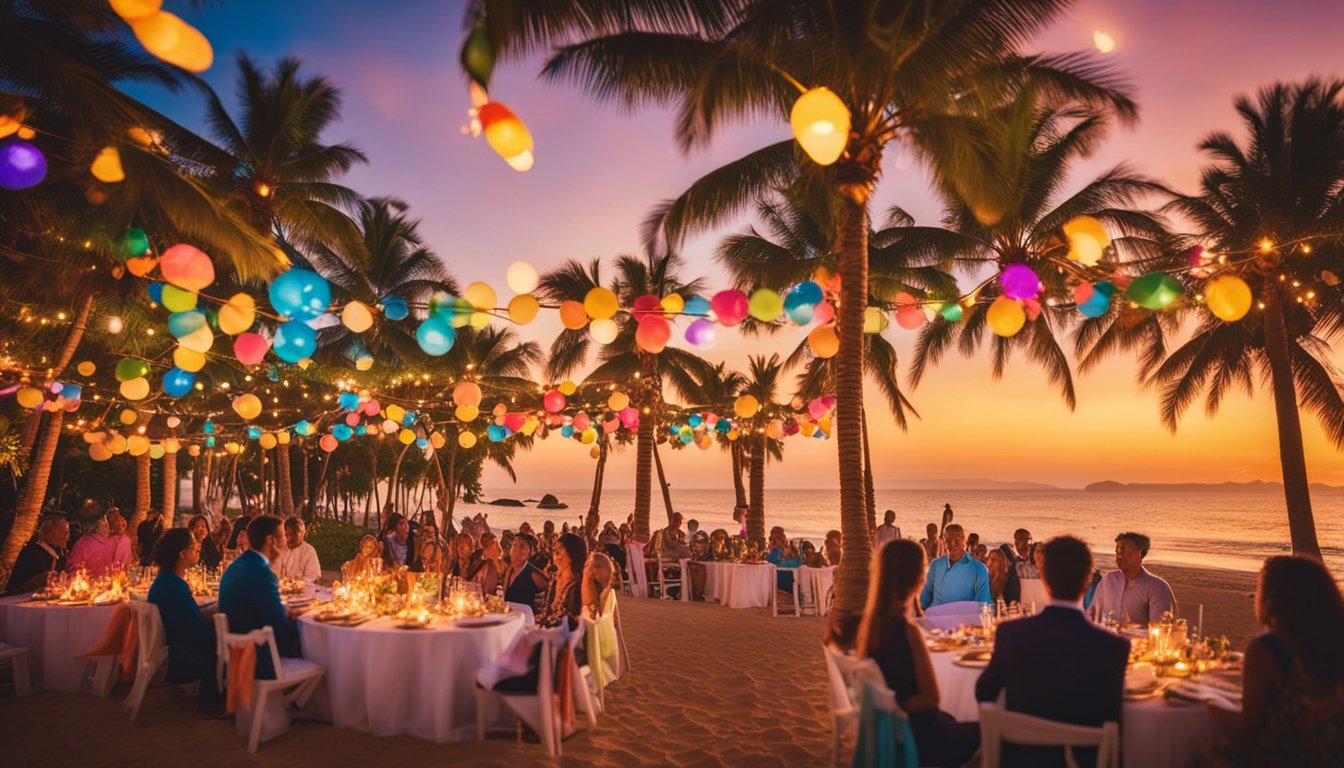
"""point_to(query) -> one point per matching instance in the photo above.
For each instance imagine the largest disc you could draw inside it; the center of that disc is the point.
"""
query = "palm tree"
(762, 383)
(1272, 206)
(898, 66)
(622, 362)
(278, 170)
(1006, 209)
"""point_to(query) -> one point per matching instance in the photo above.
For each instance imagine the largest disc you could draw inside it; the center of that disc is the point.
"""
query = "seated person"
(522, 579)
(104, 550)
(249, 592)
(1292, 710)
(785, 555)
(672, 546)
(190, 638)
(1130, 594)
(211, 554)
(368, 558)
(832, 548)
(956, 576)
(465, 556)
(1057, 665)
(430, 559)
(399, 543)
(811, 557)
(889, 636)
(220, 535)
(599, 583)
(1003, 582)
(1021, 554)
(490, 565)
(41, 558)
(146, 534)
(564, 599)
(299, 560)
(610, 541)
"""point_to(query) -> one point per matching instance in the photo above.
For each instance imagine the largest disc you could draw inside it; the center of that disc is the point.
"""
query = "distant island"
(1110, 486)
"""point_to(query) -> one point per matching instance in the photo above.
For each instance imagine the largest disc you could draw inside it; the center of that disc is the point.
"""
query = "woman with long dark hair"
(189, 636)
(200, 531)
(888, 636)
(1292, 710)
(564, 601)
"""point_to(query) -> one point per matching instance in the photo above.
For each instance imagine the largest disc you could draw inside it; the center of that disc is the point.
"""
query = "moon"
(1103, 41)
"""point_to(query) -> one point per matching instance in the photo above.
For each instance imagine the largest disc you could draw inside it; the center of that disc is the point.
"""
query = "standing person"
(189, 637)
(299, 560)
(41, 558)
(1057, 665)
(249, 592)
(888, 636)
(932, 542)
(947, 517)
(1292, 710)
(1130, 593)
(1020, 554)
(888, 530)
(211, 554)
(956, 576)
(104, 550)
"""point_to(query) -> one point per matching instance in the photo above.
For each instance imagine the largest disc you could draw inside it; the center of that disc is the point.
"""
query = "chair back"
(149, 625)
(847, 676)
(264, 636)
(526, 610)
(634, 560)
(998, 725)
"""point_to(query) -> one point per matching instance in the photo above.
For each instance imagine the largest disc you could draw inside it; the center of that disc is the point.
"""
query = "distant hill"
(1261, 486)
(971, 484)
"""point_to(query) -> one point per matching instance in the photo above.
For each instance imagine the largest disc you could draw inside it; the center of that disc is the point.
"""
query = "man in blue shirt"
(956, 576)
(249, 593)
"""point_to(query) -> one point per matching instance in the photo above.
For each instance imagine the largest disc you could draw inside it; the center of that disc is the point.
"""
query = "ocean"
(1222, 529)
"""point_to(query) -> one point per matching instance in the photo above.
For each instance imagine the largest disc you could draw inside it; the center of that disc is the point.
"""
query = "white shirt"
(1141, 601)
(299, 563)
(887, 532)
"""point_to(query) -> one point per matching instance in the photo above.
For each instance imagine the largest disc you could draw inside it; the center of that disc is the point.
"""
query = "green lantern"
(1155, 291)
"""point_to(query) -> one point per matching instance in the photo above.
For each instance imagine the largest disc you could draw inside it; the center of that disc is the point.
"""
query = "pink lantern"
(372, 408)
(817, 408)
(187, 267)
(515, 421)
(1018, 281)
(653, 334)
(911, 317)
(730, 306)
(554, 401)
(829, 400)
(499, 410)
(582, 422)
(823, 313)
(1082, 292)
(630, 417)
(647, 305)
(352, 418)
(611, 424)
(328, 443)
(250, 348)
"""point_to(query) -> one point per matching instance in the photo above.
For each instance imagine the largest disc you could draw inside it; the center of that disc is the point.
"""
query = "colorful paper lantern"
(697, 306)
(250, 348)
(129, 368)
(800, 301)
(1098, 301)
(601, 303)
(435, 337)
(174, 41)
(395, 308)
(86, 368)
(301, 294)
(702, 333)
(1228, 297)
(1087, 239)
(134, 243)
(22, 165)
(247, 405)
(130, 10)
(183, 323)
(765, 305)
(267, 441)
(553, 401)
(480, 296)
(467, 393)
(823, 341)
(135, 389)
(604, 331)
(29, 397)
(730, 306)
(652, 334)
(505, 132)
(177, 382)
(1018, 281)
(466, 439)
(106, 166)
(673, 304)
(142, 265)
(746, 406)
(911, 317)
(521, 277)
(523, 308)
(176, 299)
(618, 401)
(820, 123)
(1154, 291)
(294, 341)
(357, 317)
(1006, 316)
(328, 443)
(572, 315)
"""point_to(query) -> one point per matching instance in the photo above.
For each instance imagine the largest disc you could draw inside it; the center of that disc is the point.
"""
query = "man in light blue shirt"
(956, 576)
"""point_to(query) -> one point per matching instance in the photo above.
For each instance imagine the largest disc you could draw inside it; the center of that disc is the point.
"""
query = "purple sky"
(599, 170)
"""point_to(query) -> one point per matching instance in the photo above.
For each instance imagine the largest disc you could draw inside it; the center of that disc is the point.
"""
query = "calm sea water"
(1235, 530)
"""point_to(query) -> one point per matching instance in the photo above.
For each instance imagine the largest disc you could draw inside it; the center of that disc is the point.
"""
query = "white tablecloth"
(387, 681)
(1154, 733)
(56, 634)
(740, 585)
(814, 586)
(1033, 591)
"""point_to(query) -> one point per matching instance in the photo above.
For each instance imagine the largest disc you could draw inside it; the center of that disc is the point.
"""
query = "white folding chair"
(998, 725)
(152, 653)
(20, 662)
(847, 677)
(774, 591)
(637, 585)
(666, 564)
(537, 709)
(294, 683)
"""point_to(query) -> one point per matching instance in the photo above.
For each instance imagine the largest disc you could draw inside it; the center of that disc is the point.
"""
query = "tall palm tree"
(279, 171)
(622, 361)
(762, 382)
(1006, 208)
(1272, 204)
(896, 65)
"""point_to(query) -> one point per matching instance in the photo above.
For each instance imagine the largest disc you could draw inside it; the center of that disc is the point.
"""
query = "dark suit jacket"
(249, 594)
(1060, 666)
(191, 640)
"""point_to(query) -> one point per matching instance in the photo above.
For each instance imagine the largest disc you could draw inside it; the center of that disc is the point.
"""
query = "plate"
(975, 659)
(413, 625)
(481, 621)
(1154, 688)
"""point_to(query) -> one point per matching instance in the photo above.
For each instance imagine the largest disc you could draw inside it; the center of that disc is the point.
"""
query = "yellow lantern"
(774, 430)
(465, 413)
(394, 412)
(357, 317)
(116, 444)
(237, 314)
(248, 406)
(128, 416)
(193, 450)
(874, 321)
(267, 440)
(673, 303)
(156, 451)
(99, 452)
(820, 122)
(523, 308)
(1087, 239)
(137, 445)
(572, 315)
(106, 167)
(604, 331)
(174, 41)
(567, 388)
(746, 406)
(521, 277)
(601, 303)
(30, 397)
(178, 300)
(94, 437)
(282, 437)
(171, 445)
(466, 439)
(480, 296)
(406, 437)
(479, 320)
(188, 360)
(86, 368)
(199, 340)
(135, 389)
(823, 341)
(507, 134)
(1006, 316)
(130, 10)
(1228, 297)
(618, 401)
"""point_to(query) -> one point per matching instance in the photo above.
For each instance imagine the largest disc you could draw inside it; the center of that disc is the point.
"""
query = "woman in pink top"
(106, 549)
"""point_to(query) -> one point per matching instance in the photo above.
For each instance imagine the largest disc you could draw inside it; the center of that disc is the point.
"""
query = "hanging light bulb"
(820, 122)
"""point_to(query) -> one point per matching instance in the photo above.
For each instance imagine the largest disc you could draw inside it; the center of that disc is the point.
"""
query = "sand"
(709, 686)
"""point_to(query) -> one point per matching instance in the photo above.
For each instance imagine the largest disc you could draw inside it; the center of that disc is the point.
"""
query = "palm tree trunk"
(29, 507)
(662, 482)
(170, 488)
(396, 477)
(599, 474)
(756, 508)
(643, 471)
(1292, 458)
(284, 481)
(307, 489)
(851, 580)
(869, 495)
(142, 493)
(739, 489)
(72, 338)
(319, 490)
(197, 477)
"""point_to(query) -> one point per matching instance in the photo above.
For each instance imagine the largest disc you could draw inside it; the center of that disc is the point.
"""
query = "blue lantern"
(361, 430)
(496, 433)
(300, 293)
(208, 427)
(349, 401)
(395, 308)
(155, 291)
(183, 323)
(294, 341)
(253, 433)
(566, 431)
(409, 419)
(435, 336)
(342, 432)
(177, 382)
(696, 305)
(303, 428)
(72, 391)
(1099, 303)
(209, 442)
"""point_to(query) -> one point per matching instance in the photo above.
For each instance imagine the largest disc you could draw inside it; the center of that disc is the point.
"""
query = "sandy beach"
(709, 686)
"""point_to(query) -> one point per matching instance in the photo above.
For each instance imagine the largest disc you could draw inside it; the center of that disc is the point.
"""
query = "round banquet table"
(56, 635)
(815, 587)
(740, 585)
(1154, 733)
(387, 681)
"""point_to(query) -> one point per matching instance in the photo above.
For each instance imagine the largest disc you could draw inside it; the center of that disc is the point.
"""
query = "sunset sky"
(599, 170)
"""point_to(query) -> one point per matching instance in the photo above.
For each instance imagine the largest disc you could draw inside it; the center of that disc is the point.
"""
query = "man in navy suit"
(249, 593)
(1057, 665)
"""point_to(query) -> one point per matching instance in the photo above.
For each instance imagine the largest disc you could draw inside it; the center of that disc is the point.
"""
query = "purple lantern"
(22, 165)
(1019, 282)
(701, 333)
